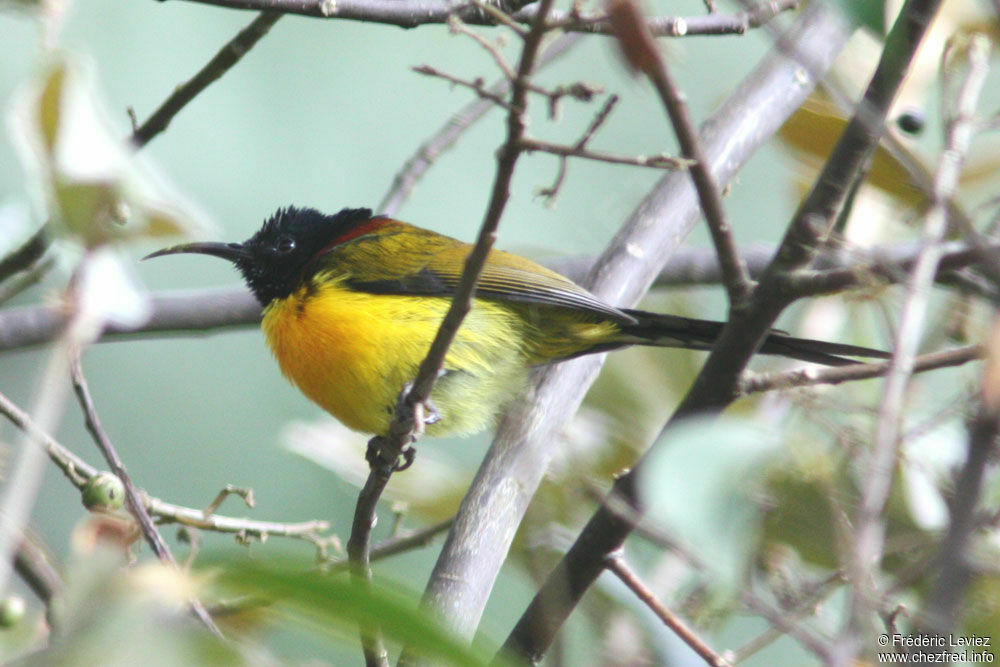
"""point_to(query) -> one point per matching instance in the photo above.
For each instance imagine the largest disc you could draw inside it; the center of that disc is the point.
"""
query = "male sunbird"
(352, 301)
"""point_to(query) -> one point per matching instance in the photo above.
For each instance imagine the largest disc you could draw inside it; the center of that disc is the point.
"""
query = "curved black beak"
(231, 251)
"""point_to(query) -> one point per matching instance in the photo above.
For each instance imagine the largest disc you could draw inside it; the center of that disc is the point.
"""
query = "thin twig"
(616, 563)
(806, 601)
(408, 417)
(642, 53)
(869, 532)
(78, 471)
(229, 490)
(400, 543)
(414, 168)
(715, 387)
(812, 376)
(457, 26)
(576, 150)
(413, 13)
(476, 85)
(788, 626)
(229, 55)
(133, 500)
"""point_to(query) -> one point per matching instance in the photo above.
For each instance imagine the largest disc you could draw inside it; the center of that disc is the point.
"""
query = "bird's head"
(273, 260)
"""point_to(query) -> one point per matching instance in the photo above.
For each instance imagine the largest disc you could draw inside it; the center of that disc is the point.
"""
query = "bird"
(351, 302)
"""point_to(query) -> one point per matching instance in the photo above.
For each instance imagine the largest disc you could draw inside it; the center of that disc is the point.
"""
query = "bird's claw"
(377, 461)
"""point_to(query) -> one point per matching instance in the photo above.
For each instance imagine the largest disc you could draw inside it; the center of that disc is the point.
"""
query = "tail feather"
(694, 334)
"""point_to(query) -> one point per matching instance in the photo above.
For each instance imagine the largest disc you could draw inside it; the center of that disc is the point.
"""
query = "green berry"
(12, 610)
(103, 492)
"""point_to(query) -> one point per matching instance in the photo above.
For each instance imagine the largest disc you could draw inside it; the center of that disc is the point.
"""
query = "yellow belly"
(352, 353)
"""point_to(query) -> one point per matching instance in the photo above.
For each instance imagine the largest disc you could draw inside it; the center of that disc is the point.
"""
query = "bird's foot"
(376, 456)
(424, 414)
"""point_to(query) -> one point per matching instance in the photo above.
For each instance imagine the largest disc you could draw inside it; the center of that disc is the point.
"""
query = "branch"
(404, 181)
(394, 545)
(408, 418)
(641, 51)
(953, 569)
(203, 311)
(414, 13)
(78, 472)
(715, 387)
(617, 564)
(25, 256)
(229, 55)
(496, 501)
(869, 531)
(812, 376)
(133, 500)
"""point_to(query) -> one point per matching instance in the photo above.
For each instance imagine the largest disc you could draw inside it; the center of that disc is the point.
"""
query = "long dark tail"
(685, 332)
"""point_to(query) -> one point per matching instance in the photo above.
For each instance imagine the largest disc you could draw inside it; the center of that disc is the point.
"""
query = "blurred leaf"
(50, 106)
(981, 613)
(801, 518)
(864, 13)
(814, 129)
(111, 615)
(92, 184)
(433, 494)
(109, 293)
(321, 602)
(703, 483)
(87, 207)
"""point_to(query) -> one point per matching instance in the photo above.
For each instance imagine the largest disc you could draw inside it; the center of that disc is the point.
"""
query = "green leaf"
(801, 517)
(702, 483)
(312, 600)
(93, 185)
(50, 106)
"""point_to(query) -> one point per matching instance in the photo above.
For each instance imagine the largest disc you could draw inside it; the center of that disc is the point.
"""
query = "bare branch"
(78, 471)
(513, 467)
(413, 13)
(617, 564)
(408, 418)
(643, 54)
(812, 376)
(869, 532)
(229, 55)
(715, 387)
(133, 499)
(404, 181)
(476, 85)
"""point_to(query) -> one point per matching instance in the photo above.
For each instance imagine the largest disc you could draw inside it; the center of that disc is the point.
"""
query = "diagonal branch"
(638, 46)
(628, 576)
(133, 500)
(715, 387)
(869, 531)
(408, 418)
(229, 55)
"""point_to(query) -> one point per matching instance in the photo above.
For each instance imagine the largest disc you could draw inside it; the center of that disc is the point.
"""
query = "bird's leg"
(376, 461)
(424, 414)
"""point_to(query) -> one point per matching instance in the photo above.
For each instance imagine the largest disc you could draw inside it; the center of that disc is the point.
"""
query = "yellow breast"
(352, 353)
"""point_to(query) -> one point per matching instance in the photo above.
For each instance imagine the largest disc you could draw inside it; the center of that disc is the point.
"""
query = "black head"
(273, 260)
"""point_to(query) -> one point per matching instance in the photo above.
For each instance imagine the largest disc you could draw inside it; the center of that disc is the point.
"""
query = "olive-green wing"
(506, 277)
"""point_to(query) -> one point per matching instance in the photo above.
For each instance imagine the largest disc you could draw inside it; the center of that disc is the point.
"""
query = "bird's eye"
(286, 244)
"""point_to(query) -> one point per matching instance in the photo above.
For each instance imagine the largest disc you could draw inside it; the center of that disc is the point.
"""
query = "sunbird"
(351, 302)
